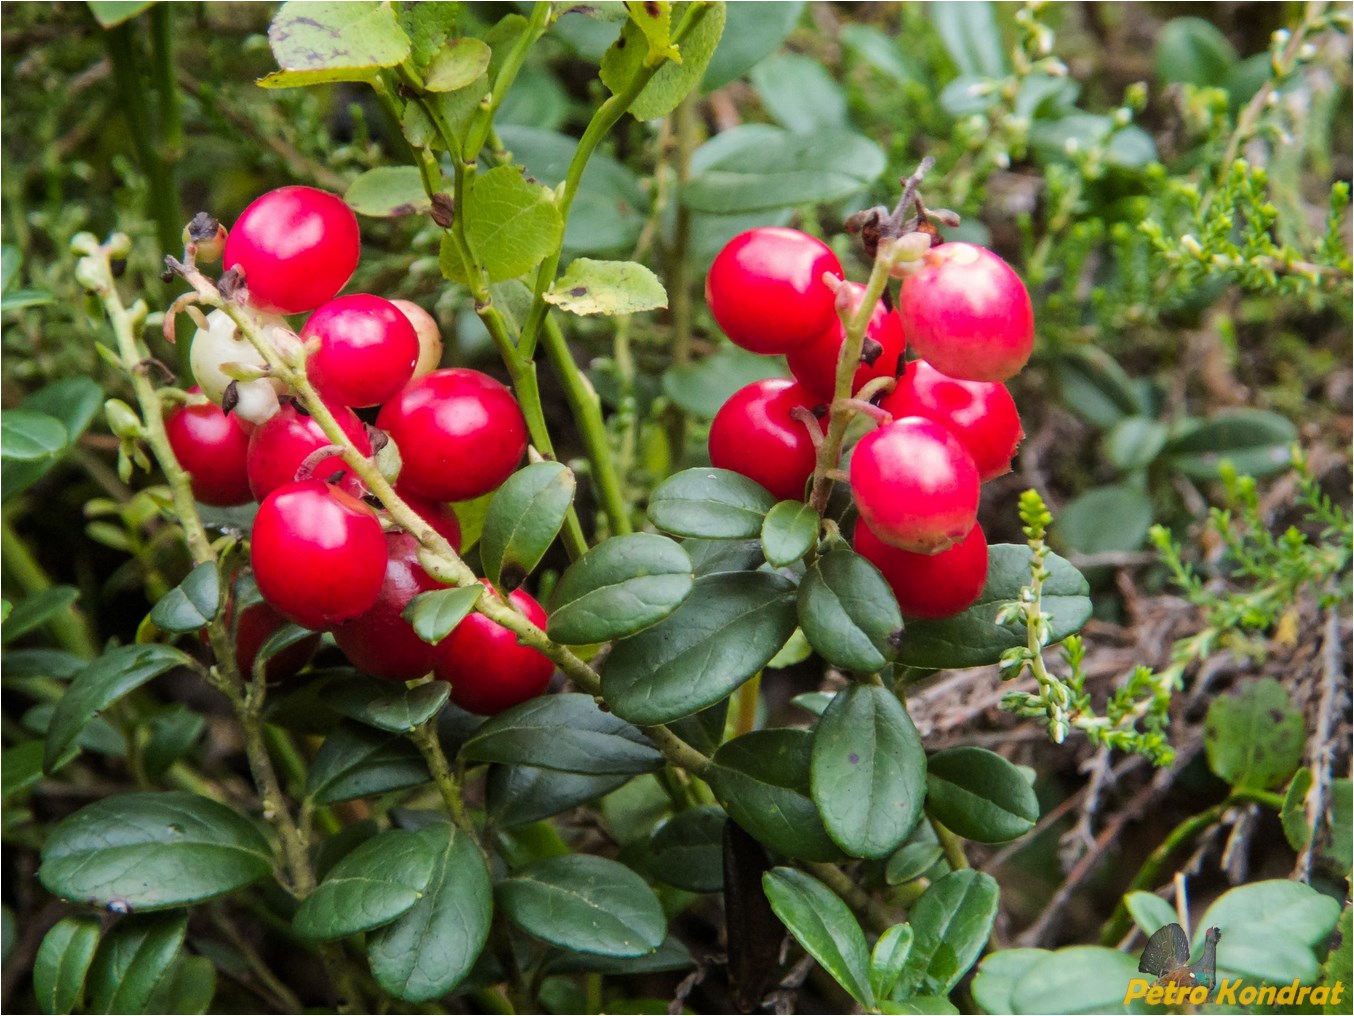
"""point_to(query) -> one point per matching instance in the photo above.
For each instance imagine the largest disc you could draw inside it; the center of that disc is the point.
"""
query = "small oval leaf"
(387, 706)
(524, 518)
(376, 883)
(824, 926)
(357, 761)
(435, 613)
(951, 923)
(192, 603)
(618, 588)
(688, 850)
(979, 795)
(848, 612)
(789, 531)
(711, 503)
(62, 962)
(565, 732)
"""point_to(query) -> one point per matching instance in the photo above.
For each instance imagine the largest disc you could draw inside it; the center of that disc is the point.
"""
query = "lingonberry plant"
(479, 684)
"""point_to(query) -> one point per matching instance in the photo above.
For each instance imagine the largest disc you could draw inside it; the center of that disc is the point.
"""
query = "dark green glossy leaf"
(888, 959)
(357, 761)
(187, 988)
(722, 634)
(152, 852)
(868, 771)
(1255, 738)
(789, 531)
(520, 795)
(912, 860)
(386, 706)
(63, 959)
(709, 502)
(35, 610)
(42, 662)
(1086, 978)
(192, 603)
(99, 685)
(824, 926)
(848, 613)
(688, 850)
(998, 974)
(585, 903)
(618, 588)
(1254, 441)
(173, 733)
(431, 948)
(974, 639)
(704, 730)
(20, 767)
(388, 191)
(27, 436)
(524, 518)
(328, 41)
(950, 924)
(133, 961)
(762, 780)
(435, 613)
(671, 955)
(752, 32)
(702, 386)
(376, 883)
(1109, 518)
(565, 732)
(710, 557)
(979, 795)
(674, 79)
(607, 287)
(1096, 388)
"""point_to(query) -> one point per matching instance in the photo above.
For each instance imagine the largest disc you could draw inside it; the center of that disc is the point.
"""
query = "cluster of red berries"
(966, 315)
(322, 556)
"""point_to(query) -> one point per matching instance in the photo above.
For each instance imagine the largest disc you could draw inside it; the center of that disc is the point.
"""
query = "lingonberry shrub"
(758, 434)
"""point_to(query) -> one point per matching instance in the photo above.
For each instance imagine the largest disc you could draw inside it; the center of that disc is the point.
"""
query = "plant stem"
(952, 845)
(745, 718)
(481, 127)
(162, 45)
(425, 739)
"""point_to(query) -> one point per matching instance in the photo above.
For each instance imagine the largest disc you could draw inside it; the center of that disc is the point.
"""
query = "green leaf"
(459, 63)
(376, 883)
(789, 531)
(979, 795)
(431, 948)
(152, 852)
(191, 604)
(673, 80)
(688, 850)
(824, 926)
(62, 962)
(1255, 738)
(997, 975)
(386, 706)
(911, 861)
(654, 19)
(974, 639)
(99, 685)
(1336, 848)
(511, 225)
(585, 903)
(37, 609)
(971, 35)
(1150, 912)
(1114, 517)
(888, 959)
(762, 169)
(356, 761)
(1084, 978)
(346, 41)
(133, 961)
(618, 588)
(520, 795)
(111, 13)
(27, 436)
(951, 924)
(1256, 443)
(1297, 827)
(708, 502)
(1274, 909)
(172, 733)
(20, 768)
(868, 771)
(800, 93)
(703, 386)
(1134, 443)
(848, 613)
(762, 780)
(1337, 968)
(607, 287)
(722, 634)
(752, 32)
(187, 988)
(388, 191)
(524, 518)
(435, 613)
(1193, 51)
(566, 732)
(1096, 388)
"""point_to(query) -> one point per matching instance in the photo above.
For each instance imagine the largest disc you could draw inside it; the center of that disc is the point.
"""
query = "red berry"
(754, 434)
(212, 447)
(319, 555)
(930, 586)
(380, 641)
(981, 414)
(279, 446)
(257, 624)
(915, 485)
(766, 289)
(487, 668)
(815, 365)
(967, 314)
(460, 434)
(297, 247)
(367, 350)
(438, 514)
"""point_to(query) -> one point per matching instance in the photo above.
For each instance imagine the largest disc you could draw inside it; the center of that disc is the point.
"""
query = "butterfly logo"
(1167, 958)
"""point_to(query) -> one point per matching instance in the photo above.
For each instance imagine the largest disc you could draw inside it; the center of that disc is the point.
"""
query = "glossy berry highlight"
(367, 350)
(212, 448)
(755, 433)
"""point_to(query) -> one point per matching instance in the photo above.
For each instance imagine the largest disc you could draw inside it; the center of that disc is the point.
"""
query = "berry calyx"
(212, 447)
(966, 313)
(367, 350)
(487, 669)
(981, 414)
(929, 587)
(915, 485)
(297, 247)
(756, 433)
(815, 365)
(766, 289)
